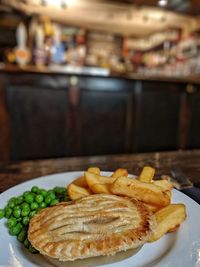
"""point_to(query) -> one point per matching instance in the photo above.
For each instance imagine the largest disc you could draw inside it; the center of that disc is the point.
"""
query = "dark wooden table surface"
(14, 173)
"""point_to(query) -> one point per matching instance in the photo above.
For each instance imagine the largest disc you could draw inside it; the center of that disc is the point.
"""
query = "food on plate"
(95, 225)
(76, 192)
(164, 184)
(80, 181)
(20, 209)
(154, 194)
(120, 172)
(168, 220)
(146, 192)
(147, 174)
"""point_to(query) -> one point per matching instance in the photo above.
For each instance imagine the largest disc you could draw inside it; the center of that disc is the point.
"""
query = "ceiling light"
(162, 3)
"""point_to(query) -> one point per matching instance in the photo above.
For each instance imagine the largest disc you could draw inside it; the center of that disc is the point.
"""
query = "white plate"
(179, 249)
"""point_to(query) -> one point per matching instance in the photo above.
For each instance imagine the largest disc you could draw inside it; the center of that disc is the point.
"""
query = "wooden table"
(14, 173)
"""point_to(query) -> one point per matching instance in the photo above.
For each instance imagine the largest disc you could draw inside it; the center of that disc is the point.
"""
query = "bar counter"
(97, 72)
(12, 174)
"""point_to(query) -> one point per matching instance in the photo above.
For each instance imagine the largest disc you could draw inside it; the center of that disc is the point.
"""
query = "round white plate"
(179, 249)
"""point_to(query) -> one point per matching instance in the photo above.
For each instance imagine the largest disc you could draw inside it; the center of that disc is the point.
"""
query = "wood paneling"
(158, 117)
(4, 122)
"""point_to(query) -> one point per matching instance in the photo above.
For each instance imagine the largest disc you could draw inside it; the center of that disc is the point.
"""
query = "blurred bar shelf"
(95, 72)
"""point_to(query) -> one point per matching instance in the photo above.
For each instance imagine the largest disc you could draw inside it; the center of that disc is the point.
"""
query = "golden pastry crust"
(92, 226)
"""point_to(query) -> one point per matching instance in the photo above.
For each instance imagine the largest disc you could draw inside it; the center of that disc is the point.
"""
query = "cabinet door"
(157, 120)
(38, 120)
(194, 131)
(104, 126)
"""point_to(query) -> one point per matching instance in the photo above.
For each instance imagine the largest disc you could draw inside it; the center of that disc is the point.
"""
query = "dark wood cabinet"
(194, 129)
(48, 115)
(103, 122)
(158, 117)
(37, 122)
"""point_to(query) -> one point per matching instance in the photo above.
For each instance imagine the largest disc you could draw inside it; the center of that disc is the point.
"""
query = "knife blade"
(179, 179)
(183, 184)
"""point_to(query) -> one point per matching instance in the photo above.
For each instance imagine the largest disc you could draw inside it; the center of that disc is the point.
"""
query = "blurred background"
(94, 77)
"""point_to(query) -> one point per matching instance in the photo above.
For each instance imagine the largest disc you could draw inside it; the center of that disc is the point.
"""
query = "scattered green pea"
(19, 200)
(54, 202)
(29, 198)
(43, 192)
(35, 189)
(26, 243)
(22, 235)
(32, 249)
(25, 220)
(26, 193)
(48, 199)
(34, 206)
(32, 213)
(17, 212)
(8, 212)
(43, 205)
(15, 230)
(11, 222)
(24, 205)
(39, 198)
(25, 211)
(11, 204)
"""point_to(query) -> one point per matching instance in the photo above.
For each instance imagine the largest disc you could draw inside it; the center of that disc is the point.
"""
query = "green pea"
(48, 200)
(19, 200)
(25, 220)
(2, 213)
(11, 204)
(35, 189)
(11, 222)
(25, 211)
(22, 235)
(8, 212)
(12, 199)
(26, 193)
(43, 192)
(16, 229)
(50, 191)
(34, 206)
(32, 213)
(32, 249)
(54, 202)
(43, 205)
(39, 198)
(29, 198)
(59, 190)
(26, 243)
(25, 205)
(17, 212)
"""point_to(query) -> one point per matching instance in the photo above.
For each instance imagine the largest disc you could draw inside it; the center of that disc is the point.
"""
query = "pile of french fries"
(155, 194)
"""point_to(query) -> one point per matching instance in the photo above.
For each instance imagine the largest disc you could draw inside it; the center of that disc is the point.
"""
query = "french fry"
(152, 208)
(94, 170)
(80, 182)
(147, 174)
(120, 172)
(76, 192)
(92, 178)
(100, 189)
(146, 192)
(164, 184)
(168, 219)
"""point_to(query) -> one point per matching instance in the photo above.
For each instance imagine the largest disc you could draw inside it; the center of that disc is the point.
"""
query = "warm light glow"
(59, 3)
(162, 2)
